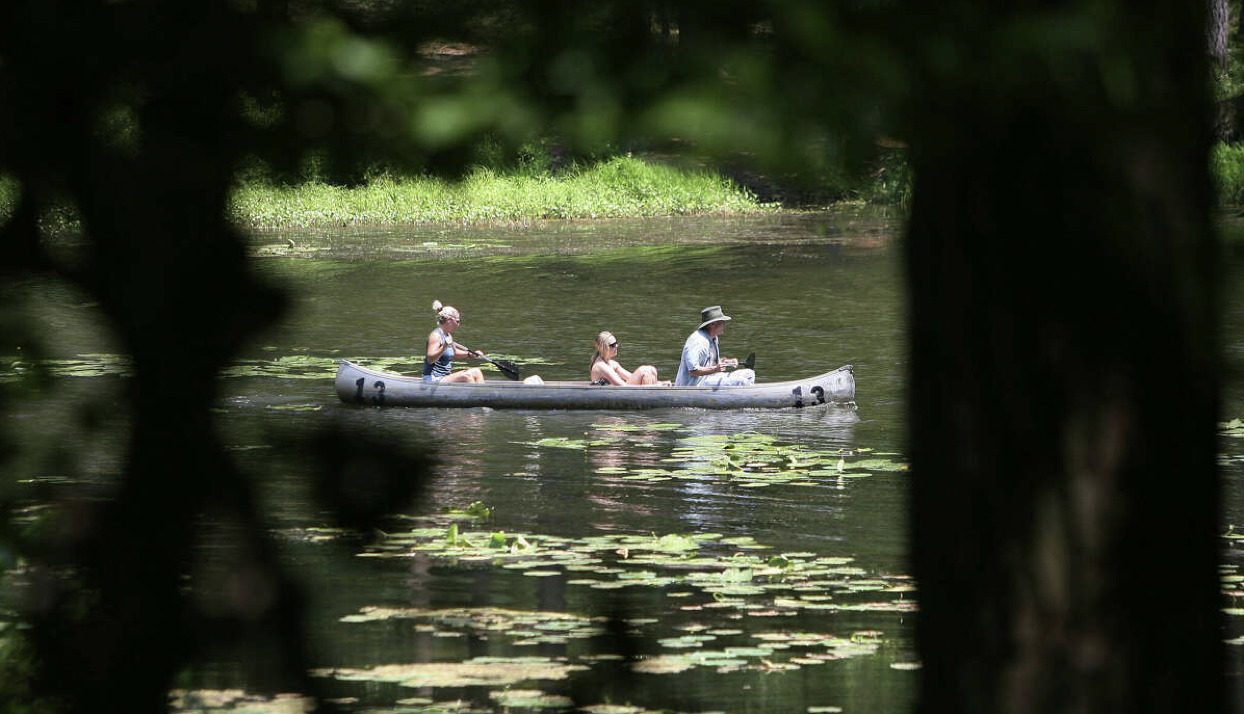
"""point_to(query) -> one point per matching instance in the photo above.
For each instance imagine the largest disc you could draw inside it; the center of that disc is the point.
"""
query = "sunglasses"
(613, 344)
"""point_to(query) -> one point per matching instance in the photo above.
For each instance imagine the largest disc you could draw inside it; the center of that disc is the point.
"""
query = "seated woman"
(605, 367)
(438, 361)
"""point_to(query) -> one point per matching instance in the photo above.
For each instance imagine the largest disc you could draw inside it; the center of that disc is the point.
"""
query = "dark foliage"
(1059, 256)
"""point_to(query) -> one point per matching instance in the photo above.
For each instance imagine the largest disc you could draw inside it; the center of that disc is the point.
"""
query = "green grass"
(618, 187)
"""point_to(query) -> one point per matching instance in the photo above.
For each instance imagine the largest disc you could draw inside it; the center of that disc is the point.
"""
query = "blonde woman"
(605, 366)
(439, 360)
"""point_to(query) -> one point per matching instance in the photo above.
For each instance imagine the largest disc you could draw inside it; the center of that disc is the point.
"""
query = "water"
(807, 293)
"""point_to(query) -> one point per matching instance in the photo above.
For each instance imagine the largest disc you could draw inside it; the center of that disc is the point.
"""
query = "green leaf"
(477, 509)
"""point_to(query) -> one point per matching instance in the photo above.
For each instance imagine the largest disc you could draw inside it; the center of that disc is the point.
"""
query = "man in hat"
(701, 361)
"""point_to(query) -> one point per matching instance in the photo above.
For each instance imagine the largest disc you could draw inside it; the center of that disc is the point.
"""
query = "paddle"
(748, 363)
(509, 369)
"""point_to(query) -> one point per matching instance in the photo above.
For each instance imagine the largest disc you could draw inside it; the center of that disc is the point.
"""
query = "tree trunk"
(1064, 381)
(1216, 28)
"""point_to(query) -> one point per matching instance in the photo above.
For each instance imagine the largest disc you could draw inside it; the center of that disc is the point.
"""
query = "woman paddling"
(439, 360)
(605, 367)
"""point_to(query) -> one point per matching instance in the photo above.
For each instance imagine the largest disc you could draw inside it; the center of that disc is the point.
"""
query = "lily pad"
(480, 671)
(236, 701)
(560, 442)
(295, 407)
(529, 698)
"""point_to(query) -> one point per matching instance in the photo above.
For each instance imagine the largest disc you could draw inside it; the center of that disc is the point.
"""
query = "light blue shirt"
(699, 350)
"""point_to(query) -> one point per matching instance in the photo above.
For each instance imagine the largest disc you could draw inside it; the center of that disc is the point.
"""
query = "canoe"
(360, 385)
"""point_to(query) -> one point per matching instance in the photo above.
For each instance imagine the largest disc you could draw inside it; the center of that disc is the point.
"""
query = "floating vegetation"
(561, 442)
(284, 367)
(236, 701)
(85, 365)
(477, 510)
(758, 460)
(530, 698)
(423, 705)
(614, 709)
(731, 578)
(315, 534)
(479, 671)
(1231, 584)
(708, 562)
(295, 407)
(526, 628)
(749, 459)
(287, 249)
(734, 604)
(1235, 428)
(810, 650)
(304, 366)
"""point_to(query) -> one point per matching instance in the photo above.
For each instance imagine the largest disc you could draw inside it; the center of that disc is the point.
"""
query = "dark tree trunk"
(1064, 380)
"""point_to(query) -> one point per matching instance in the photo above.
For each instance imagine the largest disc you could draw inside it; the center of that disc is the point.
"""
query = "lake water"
(757, 559)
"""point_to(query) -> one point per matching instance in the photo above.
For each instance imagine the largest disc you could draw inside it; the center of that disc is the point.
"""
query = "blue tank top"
(434, 371)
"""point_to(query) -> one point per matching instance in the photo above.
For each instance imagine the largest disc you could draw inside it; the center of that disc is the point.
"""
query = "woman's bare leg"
(645, 374)
(474, 374)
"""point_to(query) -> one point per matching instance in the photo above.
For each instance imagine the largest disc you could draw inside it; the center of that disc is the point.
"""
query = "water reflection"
(824, 425)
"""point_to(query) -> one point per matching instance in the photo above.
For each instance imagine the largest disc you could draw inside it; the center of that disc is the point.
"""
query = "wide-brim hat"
(712, 314)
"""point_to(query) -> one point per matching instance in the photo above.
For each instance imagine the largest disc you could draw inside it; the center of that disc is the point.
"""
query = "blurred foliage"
(1227, 168)
(417, 86)
(137, 116)
(17, 672)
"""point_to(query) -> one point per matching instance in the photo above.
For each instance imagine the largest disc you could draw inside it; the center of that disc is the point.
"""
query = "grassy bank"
(612, 188)
(617, 187)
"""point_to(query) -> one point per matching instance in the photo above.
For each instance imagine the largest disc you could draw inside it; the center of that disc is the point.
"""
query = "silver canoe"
(360, 385)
